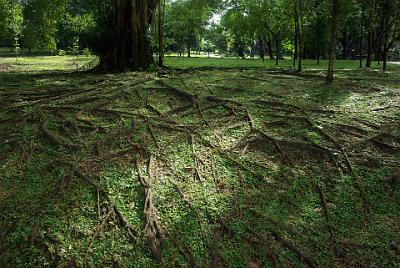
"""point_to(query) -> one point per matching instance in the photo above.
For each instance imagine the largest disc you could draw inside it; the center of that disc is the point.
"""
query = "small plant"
(314, 137)
(86, 52)
(74, 50)
(16, 47)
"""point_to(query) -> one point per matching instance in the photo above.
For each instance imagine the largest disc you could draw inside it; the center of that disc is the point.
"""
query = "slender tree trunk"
(161, 10)
(384, 54)
(370, 48)
(344, 44)
(270, 51)
(296, 33)
(277, 51)
(129, 48)
(300, 37)
(262, 53)
(332, 57)
(189, 45)
(361, 33)
(386, 36)
(241, 52)
(301, 48)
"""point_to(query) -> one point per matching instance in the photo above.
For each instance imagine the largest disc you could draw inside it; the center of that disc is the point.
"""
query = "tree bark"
(301, 49)
(129, 49)
(262, 53)
(332, 57)
(361, 32)
(300, 35)
(189, 44)
(344, 45)
(386, 36)
(240, 50)
(370, 48)
(270, 52)
(277, 51)
(296, 33)
(161, 10)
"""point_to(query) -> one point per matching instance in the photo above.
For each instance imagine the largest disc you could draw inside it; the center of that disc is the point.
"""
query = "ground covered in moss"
(200, 167)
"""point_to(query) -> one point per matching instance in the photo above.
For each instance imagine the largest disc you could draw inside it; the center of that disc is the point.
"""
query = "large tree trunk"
(332, 57)
(129, 48)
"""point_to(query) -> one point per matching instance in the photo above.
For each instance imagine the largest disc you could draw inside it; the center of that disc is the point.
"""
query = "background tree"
(10, 22)
(390, 33)
(41, 19)
(317, 38)
(239, 25)
(186, 21)
(332, 51)
(77, 21)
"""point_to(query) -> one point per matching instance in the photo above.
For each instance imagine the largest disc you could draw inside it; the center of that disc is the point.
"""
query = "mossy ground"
(237, 161)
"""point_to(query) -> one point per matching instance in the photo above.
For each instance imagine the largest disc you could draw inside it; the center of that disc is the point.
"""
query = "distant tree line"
(128, 33)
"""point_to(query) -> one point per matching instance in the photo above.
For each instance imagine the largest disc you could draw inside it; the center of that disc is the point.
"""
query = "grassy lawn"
(71, 63)
(45, 63)
(212, 162)
(310, 65)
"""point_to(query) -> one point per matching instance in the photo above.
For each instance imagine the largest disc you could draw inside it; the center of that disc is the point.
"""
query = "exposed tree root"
(274, 258)
(130, 230)
(186, 253)
(99, 228)
(55, 140)
(249, 118)
(306, 259)
(179, 92)
(270, 136)
(327, 214)
(216, 258)
(152, 228)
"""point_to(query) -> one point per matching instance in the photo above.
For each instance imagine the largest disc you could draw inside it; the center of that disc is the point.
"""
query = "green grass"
(309, 65)
(45, 63)
(63, 63)
(245, 202)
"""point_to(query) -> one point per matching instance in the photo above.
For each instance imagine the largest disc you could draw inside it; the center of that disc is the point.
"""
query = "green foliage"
(186, 21)
(40, 23)
(11, 20)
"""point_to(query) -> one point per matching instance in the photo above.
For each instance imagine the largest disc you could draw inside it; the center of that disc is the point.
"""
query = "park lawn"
(45, 63)
(243, 165)
(308, 65)
(72, 63)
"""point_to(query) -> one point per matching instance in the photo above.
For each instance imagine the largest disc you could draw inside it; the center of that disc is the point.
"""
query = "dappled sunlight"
(198, 166)
(199, 133)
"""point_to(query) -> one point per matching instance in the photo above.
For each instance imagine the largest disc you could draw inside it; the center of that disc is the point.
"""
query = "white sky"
(216, 18)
